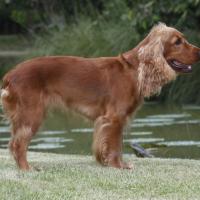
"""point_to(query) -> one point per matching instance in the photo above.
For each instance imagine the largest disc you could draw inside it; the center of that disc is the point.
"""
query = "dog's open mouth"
(180, 67)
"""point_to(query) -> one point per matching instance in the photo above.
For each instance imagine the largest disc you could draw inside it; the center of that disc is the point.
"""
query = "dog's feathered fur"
(154, 70)
(106, 90)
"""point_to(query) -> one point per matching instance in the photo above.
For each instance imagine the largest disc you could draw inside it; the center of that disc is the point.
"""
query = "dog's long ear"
(153, 71)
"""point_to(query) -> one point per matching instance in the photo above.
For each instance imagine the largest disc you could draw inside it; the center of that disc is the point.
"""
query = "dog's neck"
(131, 56)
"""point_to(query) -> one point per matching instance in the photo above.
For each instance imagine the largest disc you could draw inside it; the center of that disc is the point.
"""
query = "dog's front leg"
(107, 144)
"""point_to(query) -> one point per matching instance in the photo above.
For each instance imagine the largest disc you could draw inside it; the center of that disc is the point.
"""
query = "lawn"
(80, 177)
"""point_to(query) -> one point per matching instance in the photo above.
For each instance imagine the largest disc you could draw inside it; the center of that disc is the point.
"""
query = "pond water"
(165, 131)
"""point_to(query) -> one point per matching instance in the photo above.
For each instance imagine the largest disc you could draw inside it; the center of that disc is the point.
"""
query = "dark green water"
(165, 131)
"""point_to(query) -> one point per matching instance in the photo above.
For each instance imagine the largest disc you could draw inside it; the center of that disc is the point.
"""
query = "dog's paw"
(35, 168)
(125, 165)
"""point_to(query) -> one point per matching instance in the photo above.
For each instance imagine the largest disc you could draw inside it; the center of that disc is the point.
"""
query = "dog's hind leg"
(22, 131)
(18, 146)
(25, 113)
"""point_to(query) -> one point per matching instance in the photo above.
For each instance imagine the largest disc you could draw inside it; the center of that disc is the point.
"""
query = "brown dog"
(106, 90)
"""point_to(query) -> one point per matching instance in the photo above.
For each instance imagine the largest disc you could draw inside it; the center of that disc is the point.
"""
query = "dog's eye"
(178, 41)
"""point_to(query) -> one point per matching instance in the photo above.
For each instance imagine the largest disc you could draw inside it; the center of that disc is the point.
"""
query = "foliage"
(141, 14)
(90, 39)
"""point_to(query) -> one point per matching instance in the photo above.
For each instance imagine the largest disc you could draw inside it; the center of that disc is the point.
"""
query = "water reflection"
(166, 131)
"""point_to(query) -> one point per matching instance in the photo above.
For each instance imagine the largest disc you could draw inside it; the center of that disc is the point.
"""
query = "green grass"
(13, 49)
(87, 37)
(14, 42)
(95, 38)
(79, 177)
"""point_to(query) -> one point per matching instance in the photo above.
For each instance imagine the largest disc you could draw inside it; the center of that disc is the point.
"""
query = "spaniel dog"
(107, 90)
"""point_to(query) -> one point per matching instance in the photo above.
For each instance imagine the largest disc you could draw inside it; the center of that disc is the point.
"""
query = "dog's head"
(180, 54)
(163, 54)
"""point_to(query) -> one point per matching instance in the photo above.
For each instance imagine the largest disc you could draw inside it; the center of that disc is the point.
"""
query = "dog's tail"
(7, 101)
(4, 94)
(4, 91)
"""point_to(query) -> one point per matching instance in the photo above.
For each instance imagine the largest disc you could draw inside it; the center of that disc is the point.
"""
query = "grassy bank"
(79, 177)
(13, 50)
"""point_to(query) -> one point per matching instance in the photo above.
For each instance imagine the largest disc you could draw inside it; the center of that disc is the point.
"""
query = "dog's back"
(54, 80)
